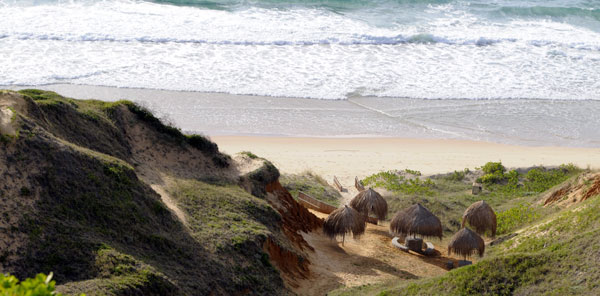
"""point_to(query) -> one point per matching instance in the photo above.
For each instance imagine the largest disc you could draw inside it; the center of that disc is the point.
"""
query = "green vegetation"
(40, 285)
(311, 184)
(556, 255)
(515, 217)
(457, 175)
(84, 213)
(394, 182)
(223, 215)
(413, 172)
(447, 196)
(249, 154)
(534, 181)
(79, 118)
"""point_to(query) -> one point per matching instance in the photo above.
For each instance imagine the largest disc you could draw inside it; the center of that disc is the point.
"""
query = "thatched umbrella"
(369, 201)
(342, 221)
(416, 220)
(466, 242)
(481, 217)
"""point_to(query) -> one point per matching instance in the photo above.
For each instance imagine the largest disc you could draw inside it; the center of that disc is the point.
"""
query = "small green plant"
(413, 172)
(458, 175)
(391, 181)
(249, 154)
(40, 285)
(494, 173)
(514, 217)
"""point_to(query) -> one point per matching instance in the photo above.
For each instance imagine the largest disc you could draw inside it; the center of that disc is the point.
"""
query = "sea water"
(537, 57)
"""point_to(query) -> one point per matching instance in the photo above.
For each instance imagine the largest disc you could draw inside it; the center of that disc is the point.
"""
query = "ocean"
(527, 68)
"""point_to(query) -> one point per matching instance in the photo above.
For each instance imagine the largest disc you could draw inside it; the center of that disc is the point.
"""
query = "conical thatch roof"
(481, 217)
(466, 242)
(343, 221)
(416, 220)
(369, 201)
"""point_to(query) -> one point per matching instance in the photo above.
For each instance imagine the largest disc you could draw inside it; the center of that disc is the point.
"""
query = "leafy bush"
(515, 217)
(413, 172)
(391, 181)
(457, 175)
(493, 168)
(494, 173)
(41, 285)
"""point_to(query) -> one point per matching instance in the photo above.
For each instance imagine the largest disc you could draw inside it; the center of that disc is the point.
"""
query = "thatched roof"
(343, 221)
(416, 220)
(466, 242)
(481, 217)
(370, 202)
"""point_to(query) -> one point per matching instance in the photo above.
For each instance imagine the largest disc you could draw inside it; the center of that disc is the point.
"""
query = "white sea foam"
(435, 51)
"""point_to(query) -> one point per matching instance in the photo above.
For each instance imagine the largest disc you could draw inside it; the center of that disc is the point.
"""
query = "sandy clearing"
(367, 260)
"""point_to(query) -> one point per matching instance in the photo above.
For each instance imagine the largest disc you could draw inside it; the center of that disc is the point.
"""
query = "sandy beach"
(350, 157)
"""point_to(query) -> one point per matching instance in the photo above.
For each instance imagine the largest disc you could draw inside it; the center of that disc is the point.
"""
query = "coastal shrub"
(40, 285)
(249, 154)
(457, 175)
(202, 143)
(494, 173)
(413, 172)
(514, 217)
(391, 181)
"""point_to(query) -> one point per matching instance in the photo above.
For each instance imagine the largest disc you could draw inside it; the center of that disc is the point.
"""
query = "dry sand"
(369, 259)
(350, 157)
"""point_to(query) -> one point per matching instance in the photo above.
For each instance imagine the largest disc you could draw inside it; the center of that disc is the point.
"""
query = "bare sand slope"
(350, 157)
(367, 260)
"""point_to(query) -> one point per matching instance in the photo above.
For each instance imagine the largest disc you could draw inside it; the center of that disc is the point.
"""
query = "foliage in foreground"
(40, 285)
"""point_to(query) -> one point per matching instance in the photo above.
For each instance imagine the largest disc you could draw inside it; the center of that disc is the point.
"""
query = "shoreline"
(532, 123)
(350, 157)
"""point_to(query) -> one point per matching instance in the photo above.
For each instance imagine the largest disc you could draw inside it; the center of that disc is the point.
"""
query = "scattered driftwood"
(337, 184)
(358, 184)
(311, 203)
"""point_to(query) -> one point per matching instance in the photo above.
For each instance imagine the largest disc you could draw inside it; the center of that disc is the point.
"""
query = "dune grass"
(555, 254)
(311, 184)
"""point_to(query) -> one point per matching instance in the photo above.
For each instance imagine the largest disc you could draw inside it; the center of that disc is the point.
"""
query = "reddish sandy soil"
(367, 260)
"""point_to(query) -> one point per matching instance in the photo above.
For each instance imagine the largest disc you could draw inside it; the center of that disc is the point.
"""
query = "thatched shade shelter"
(370, 202)
(465, 243)
(343, 221)
(481, 217)
(416, 220)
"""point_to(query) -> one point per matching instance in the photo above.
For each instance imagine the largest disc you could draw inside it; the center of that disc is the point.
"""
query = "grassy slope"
(447, 196)
(311, 184)
(555, 255)
(87, 217)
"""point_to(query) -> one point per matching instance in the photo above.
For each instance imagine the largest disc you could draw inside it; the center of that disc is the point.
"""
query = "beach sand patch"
(6, 118)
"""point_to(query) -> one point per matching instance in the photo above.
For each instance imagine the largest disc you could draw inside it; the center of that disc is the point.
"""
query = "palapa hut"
(481, 217)
(465, 243)
(416, 220)
(370, 202)
(342, 221)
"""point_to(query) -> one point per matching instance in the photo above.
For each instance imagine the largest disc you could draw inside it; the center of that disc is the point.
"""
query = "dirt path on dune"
(368, 260)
